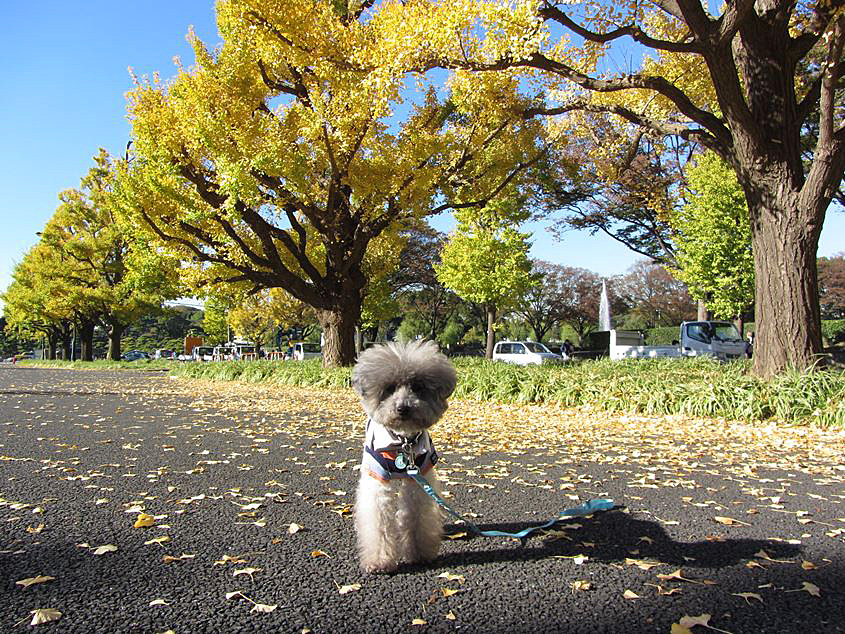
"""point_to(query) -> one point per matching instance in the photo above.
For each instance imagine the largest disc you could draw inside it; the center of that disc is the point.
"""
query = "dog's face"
(404, 387)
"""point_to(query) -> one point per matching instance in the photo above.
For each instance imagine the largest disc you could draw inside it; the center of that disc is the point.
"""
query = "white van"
(525, 353)
(302, 351)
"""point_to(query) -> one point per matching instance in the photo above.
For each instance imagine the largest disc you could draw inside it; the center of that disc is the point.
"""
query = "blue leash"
(587, 508)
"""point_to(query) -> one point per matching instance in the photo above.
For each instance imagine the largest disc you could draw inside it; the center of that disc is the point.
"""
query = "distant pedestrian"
(749, 347)
(568, 348)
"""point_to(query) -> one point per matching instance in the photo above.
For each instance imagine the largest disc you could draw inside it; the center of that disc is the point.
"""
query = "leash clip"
(406, 459)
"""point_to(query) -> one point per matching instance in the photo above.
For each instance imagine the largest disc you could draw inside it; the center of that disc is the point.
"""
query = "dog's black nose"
(402, 409)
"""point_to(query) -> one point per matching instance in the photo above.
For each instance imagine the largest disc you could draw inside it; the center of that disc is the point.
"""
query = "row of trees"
(274, 162)
(280, 160)
(87, 271)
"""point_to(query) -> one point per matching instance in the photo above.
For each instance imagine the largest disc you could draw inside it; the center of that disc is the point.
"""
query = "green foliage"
(214, 321)
(298, 373)
(663, 335)
(485, 260)
(713, 239)
(147, 365)
(833, 331)
(11, 343)
(690, 387)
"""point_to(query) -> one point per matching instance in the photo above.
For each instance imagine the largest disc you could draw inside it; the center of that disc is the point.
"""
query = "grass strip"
(690, 387)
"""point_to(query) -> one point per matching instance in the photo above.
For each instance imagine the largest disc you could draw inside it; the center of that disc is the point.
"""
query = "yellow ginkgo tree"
(283, 157)
(758, 82)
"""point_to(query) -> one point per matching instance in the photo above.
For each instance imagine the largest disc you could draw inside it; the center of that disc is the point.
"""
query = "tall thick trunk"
(787, 328)
(66, 351)
(85, 332)
(339, 334)
(115, 335)
(52, 344)
(491, 333)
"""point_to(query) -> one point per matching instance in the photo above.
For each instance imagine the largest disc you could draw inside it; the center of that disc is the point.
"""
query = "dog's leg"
(376, 525)
(426, 531)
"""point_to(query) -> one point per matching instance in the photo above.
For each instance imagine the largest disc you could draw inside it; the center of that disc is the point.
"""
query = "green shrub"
(662, 335)
(833, 331)
(692, 387)
(150, 365)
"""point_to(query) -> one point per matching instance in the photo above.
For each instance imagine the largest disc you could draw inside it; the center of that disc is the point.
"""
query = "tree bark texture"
(85, 332)
(115, 335)
(339, 334)
(787, 328)
(491, 332)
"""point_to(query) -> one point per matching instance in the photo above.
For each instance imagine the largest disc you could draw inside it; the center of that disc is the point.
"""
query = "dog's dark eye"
(390, 389)
(419, 388)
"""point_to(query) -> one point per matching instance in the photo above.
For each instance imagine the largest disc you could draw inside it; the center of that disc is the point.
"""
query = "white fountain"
(604, 309)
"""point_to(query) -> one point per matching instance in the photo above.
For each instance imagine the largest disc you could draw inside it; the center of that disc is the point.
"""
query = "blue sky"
(64, 76)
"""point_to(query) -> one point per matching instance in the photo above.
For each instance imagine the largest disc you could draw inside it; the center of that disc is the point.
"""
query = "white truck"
(716, 339)
(304, 350)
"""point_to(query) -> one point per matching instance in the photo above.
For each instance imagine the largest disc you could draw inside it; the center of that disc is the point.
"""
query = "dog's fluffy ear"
(357, 384)
(448, 380)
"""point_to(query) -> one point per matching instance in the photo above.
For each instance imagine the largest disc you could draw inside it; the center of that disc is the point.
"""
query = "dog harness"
(388, 455)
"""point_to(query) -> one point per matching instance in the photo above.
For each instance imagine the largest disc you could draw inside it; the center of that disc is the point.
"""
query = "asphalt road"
(82, 453)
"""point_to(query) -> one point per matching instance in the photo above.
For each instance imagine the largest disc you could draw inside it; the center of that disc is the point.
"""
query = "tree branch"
(551, 12)
(669, 129)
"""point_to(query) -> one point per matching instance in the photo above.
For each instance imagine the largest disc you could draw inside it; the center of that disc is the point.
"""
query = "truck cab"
(304, 350)
(719, 339)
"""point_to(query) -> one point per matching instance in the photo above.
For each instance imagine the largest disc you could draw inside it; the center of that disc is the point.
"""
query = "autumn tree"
(215, 319)
(744, 83)
(277, 160)
(30, 308)
(547, 304)
(259, 315)
(832, 286)
(653, 296)
(102, 268)
(423, 298)
(713, 240)
(485, 260)
(252, 319)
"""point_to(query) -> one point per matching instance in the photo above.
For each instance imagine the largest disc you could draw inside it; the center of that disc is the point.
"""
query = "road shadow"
(611, 537)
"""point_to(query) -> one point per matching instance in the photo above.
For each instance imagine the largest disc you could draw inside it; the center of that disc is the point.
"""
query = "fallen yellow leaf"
(34, 580)
(102, 550)
(44, 615)
(747, 596)
(729, 521)
(144, 521)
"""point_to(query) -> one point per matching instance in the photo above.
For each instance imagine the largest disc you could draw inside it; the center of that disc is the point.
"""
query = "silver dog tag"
(401, 461)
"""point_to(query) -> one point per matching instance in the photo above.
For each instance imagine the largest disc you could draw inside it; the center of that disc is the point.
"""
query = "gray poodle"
(403, 389)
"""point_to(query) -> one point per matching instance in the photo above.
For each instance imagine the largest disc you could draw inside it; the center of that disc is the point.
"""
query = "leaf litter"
(665, 462)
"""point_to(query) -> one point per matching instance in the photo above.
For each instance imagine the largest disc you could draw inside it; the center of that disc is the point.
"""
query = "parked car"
(302, 351)
(203, 353)
(135, 355)
(525, 353)
(163, 353)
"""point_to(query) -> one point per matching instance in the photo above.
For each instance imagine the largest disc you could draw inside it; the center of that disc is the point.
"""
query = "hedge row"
(694, 387)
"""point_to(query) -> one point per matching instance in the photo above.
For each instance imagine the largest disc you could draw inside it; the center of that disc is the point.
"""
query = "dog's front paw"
(379, 567)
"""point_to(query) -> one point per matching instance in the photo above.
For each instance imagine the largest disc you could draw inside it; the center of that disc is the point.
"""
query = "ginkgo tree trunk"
(759, 83)
(278, 161)
(485, 261)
